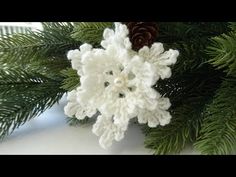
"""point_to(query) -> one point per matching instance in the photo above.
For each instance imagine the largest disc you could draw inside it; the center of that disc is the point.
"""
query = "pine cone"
(142, 33)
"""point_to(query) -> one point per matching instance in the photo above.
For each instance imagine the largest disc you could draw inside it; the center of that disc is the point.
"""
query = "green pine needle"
(71, 79)
(24, 95)
(188, 94)
(50, 68)
(218, 132)
(192, 54)
(178, 32)
(72, 121)
(191, 39)
(233, 26)
(53, 41)
(223, 53)
(172, 138)
(90, 32)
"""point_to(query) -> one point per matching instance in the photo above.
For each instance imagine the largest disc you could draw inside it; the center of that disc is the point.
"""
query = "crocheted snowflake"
(117, 82)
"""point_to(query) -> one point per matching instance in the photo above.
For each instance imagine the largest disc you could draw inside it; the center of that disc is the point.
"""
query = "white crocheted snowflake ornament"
(117, 82)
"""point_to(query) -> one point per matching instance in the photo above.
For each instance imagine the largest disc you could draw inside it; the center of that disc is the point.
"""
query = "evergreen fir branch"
(72, 121)
(190, 84)
(188, 94)
(53, 41)
(64, 27)
(233, 26)
(223, 53)
(24, 95)
(173, 138)
(218, 131)
(175, 32)
(211, 29)
(71, 79)
(191, 39)
(192, 54)
(50, 68)
(90, 32)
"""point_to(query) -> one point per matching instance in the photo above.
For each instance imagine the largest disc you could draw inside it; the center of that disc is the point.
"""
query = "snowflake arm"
(73, 108)
(160, 59)
(107, 130)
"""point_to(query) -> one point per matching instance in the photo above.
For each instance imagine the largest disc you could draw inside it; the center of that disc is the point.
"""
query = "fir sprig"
(90, 32)
(218, 131)
(176, 32)
(24, 95)
(53, 41)
(189, 94)
(223, 53)
(73, 121)
(50, 68)
(71, 79)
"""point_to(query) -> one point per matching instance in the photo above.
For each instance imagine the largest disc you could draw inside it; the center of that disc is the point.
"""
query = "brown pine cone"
(142, 33)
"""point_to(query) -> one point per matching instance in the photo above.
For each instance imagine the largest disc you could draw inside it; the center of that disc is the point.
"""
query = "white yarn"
(117, 82)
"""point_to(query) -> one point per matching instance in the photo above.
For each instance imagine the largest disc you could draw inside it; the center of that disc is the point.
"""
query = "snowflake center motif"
(120, 81)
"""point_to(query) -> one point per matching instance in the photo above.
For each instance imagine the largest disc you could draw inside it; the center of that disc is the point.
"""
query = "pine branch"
(173, 138)
(192, 54)
(51, 67)
(90, 32)
(223, 53)
(189, 94)
(72, 121)
(24, 95)
(53, 41)
(191, 39)
(190, 84)
(176, 32)
(218, 132)
(71, 79)
(233, 26)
